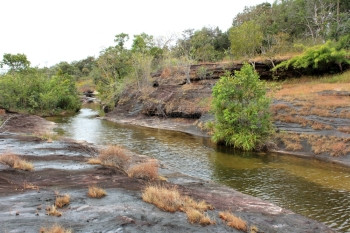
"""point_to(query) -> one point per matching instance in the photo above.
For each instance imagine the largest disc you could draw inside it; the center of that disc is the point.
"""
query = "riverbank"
(60, 167)
(311, 114)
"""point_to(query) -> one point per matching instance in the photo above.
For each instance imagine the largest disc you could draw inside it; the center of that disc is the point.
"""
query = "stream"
(312, 188)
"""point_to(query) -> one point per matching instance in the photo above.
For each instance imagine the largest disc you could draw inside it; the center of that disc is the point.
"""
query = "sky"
(50, 31)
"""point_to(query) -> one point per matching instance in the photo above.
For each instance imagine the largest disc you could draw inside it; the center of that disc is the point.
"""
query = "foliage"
(142, 69)
(207, 44)
(113, 65)
(16, 62)
(246, 39)
(241, 110)
(317, 20)
(34, 92)
(319, 55)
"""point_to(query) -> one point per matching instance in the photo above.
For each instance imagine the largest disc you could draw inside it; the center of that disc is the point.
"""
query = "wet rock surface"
(61, 168)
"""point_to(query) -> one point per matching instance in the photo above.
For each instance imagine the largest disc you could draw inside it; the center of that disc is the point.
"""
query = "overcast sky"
(50, 31)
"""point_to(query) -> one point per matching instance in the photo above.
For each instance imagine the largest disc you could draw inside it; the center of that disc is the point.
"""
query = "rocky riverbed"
(60, 167)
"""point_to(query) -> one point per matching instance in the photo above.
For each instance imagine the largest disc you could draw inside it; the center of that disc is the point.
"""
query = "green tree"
(112, 66)
(34, 92)
(16, 62)
(242, 117)
(246, 39)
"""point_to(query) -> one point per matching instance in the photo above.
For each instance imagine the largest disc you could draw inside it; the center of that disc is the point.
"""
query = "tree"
(242, 117)
(207, 44)
(246, 39)
(16, 62)
(112, 66)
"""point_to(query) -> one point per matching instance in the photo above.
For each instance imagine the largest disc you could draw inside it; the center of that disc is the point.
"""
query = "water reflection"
(311, 188)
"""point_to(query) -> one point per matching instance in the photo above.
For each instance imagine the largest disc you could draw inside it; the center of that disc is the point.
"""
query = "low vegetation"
(52, 211)
(16, 162)
(319, 55)
(146, 171)
(170, 200)
(233, 221)
(27, 185)
(332, 145)
(196, 216)
(96, 192)
(114, 156)
(55, 229)
(62, 200)
(241, 107)
(94, 161)
(38, 94)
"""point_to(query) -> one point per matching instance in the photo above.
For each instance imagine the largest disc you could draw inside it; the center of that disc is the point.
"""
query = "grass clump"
(94, 161)
(233, 221)
(52, 211)
(146, 171)
(96, 192)
(62, 200)
(16, 162)
(196, 216)
(167, 199)
(170, 200)
(55, 229)
(114, 156)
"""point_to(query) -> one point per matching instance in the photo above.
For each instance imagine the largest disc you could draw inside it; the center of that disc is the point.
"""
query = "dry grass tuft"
(62, 200)
(52, 211)
(55, 229)
(233, 221)
(339, 149)
(170, 199)
(345, 129)
(196, 216)
(146, 171)
(114, 156)
(254, 229)
(320, 126)
(278, 107)
(16, 162)
(94, 161)
(27, 185)
(291, 141)
(47, 136)
(201, 205)
(96, 192)
(167, 199)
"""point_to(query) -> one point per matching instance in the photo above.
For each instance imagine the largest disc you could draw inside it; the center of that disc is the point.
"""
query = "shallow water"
(312, 188)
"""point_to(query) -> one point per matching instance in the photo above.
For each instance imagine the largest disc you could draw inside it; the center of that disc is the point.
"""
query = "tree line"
(320, 27)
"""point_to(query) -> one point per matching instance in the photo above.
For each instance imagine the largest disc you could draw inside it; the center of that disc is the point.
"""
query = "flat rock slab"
(122, 210)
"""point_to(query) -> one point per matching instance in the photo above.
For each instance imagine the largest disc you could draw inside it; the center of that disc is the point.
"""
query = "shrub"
(96, 192)
(242, 117)
(32, 91)
(316, 56)
(146, 171)
(15, 162)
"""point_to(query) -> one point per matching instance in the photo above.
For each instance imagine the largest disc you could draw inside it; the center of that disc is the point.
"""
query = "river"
(311, 188)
